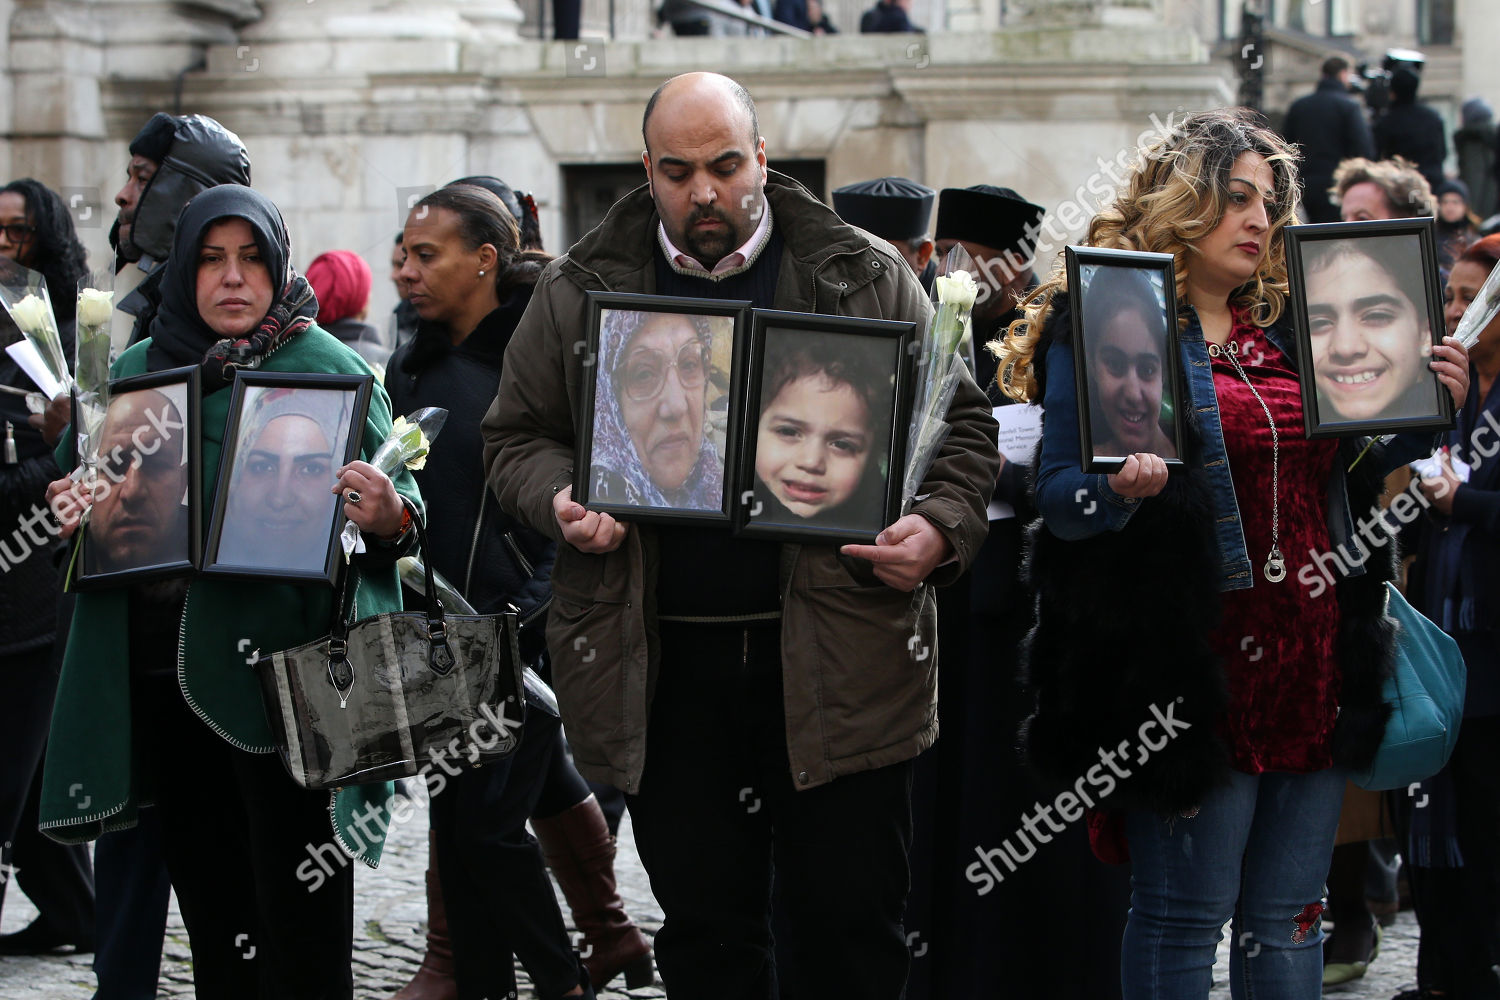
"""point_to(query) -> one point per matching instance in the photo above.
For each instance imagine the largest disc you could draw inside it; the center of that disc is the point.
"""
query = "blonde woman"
(1205, 672)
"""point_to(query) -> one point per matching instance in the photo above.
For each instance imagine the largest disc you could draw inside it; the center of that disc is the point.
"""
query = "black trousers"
(57, 878)
(1459, 908)
(718, 815)
(132, 893)
(495, 887)
(235, 830)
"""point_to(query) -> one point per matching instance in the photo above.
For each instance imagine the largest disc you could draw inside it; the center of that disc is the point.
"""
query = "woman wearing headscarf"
(37, 232)
(178, 721)
(341, 279)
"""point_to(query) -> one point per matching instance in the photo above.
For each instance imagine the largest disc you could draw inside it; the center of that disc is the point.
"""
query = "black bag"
(387, 696)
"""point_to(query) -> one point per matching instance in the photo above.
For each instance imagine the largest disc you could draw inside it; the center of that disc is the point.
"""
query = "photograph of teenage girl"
(1125, 337)
(823, 431)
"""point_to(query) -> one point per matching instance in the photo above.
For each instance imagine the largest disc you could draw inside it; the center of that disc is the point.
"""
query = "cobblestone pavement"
(390, 907)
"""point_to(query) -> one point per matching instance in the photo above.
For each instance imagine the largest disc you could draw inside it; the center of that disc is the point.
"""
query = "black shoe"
(38, 938)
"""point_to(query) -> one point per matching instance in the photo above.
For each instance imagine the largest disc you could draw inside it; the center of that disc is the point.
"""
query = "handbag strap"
(440, 656)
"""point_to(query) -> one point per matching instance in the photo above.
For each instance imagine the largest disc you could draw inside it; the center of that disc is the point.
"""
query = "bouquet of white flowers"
(23, 292)
(943, 350)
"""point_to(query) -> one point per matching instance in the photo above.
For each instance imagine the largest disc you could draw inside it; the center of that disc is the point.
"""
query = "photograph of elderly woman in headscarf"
(1367, 320)
(1125, 347)
(279, 512)
(660, 410)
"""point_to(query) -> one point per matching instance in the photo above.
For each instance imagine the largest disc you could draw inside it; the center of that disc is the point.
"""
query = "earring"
(481, 274)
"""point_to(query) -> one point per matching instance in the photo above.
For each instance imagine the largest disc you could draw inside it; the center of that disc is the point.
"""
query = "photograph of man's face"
(822, 435)
(140, 514)
(661, 409)
(1125, 357)
(1367, 320)
(280, 510)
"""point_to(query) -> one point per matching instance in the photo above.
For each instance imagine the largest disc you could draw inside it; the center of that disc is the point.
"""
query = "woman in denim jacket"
(1210, 646)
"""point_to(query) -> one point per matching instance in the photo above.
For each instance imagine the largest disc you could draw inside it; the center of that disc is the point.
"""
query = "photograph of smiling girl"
(1367, 309)
(656, 436)
(819, 430)
(1126, 339)
(274, 514)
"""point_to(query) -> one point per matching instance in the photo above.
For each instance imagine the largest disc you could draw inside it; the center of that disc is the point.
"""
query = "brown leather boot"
(434, 979)
(581, 854)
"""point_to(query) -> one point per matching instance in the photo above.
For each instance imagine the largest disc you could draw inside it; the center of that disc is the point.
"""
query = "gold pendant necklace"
(1275, 567)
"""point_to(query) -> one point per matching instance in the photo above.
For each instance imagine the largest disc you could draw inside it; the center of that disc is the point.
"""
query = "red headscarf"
(341, 279)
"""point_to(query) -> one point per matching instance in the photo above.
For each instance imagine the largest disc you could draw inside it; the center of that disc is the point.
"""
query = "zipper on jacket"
(473, 545)
(527, 569)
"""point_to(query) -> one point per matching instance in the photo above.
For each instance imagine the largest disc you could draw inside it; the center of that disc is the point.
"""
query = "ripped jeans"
(1258, 852)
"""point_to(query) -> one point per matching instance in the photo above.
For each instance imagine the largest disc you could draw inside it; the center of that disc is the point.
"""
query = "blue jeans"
(1258, 852)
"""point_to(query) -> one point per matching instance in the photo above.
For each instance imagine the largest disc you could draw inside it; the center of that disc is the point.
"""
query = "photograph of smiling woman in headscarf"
(660, 410)
(279, 512)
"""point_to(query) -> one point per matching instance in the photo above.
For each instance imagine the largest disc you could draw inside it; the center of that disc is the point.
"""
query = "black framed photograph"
(144, 521)
(1367, 306)
(1125, 356)
(827, 418)
(658, 427)
(275, 515)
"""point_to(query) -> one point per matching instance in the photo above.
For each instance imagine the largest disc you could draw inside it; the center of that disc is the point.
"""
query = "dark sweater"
(744, 572)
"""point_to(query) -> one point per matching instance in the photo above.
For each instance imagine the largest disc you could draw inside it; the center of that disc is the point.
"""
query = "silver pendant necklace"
(1275, 567)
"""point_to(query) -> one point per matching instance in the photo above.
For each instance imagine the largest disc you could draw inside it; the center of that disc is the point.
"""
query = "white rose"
(957, 289)
(31, 314)
(95, 307)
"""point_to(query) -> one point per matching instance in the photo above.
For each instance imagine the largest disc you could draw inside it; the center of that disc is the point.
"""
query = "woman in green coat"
(159, 705)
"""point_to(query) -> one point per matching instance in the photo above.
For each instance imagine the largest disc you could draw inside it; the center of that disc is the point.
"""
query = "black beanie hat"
(154, 140)
(994, 217)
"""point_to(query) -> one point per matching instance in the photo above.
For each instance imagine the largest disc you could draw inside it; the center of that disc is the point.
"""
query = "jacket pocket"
(876, 669)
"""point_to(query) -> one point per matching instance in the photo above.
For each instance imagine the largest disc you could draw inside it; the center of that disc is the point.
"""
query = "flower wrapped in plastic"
(23, 292)
(406, 446)
(946, 349)
(91, 360)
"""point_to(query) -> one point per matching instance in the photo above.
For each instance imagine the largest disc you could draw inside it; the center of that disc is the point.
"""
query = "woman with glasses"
(470, 281)
(37, 232)
(653, 440)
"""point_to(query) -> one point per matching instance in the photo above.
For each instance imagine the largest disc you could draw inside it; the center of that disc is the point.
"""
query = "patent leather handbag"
(1426, 695)
(389, 696)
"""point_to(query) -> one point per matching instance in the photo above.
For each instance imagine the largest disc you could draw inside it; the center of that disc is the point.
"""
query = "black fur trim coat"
(1124, 620)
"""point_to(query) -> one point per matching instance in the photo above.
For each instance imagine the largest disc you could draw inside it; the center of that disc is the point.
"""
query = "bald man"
(138, 518)
(759, 703)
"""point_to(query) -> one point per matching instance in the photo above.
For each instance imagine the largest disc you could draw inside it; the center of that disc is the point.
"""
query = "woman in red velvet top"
(1210, 645)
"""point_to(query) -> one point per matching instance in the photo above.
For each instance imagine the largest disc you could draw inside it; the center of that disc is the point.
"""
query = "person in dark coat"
(480, 847)
(1411, 129)
(1475, 145)
(1058, 919)
(1330, 127)
(36, 232)
(897, 210)
(888, 17)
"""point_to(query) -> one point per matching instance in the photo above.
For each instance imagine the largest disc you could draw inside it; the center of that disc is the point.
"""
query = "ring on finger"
(352, 496)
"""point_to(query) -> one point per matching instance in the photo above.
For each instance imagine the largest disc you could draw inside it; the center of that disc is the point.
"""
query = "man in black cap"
(897, 210)
(172, 158)
(1057, 919)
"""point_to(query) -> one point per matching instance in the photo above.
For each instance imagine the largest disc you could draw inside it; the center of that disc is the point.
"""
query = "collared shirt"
(733, 263)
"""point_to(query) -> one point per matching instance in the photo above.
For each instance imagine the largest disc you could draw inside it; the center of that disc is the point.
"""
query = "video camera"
(1375, 84)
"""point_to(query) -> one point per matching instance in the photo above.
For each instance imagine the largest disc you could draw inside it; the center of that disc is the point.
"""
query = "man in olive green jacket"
(786, 685)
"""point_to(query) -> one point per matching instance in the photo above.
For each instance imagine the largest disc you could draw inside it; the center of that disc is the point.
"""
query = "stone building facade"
(350, 108)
